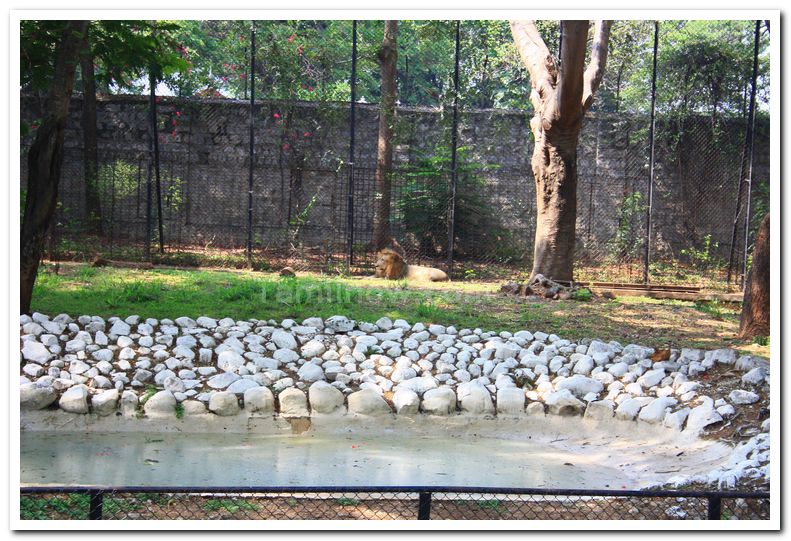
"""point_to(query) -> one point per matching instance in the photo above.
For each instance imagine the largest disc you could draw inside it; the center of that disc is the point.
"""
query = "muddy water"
(355, 458)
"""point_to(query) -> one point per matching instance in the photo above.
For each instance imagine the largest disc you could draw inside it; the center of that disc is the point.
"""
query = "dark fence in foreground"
(385, 503)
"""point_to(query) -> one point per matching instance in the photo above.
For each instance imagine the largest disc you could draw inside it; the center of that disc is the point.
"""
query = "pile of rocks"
(541, 287)
(93, 365)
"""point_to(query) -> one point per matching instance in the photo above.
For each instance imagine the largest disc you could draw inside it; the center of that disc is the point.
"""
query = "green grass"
(170, 293)
(492, 505)
(71, 506)
(229, 505)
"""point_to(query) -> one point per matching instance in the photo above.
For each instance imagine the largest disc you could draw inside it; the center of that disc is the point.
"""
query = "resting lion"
(391, 265)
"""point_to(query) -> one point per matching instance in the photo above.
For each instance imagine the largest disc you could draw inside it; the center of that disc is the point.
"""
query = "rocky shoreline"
(180, 368)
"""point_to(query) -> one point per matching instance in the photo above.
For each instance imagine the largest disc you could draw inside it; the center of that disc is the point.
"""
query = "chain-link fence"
(260, 163)
(385, 503)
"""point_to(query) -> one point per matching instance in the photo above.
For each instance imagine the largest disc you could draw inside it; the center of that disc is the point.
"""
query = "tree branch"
(595, 71)
(572, 61)
(537, 59)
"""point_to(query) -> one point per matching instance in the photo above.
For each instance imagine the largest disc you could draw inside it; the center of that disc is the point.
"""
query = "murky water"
(244, 459)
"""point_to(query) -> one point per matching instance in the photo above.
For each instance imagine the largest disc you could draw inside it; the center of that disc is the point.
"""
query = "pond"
(558, 453)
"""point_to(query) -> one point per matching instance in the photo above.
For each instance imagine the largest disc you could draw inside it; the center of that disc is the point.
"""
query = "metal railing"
(385, 503)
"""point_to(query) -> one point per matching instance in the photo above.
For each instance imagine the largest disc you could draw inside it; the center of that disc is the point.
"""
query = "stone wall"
(302, 156)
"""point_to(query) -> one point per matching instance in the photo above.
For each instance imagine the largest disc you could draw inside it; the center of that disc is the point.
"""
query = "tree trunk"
(45, 160)
(388, 55)
(555, 170)
(93, 208)
(755, 309)
(561, 94)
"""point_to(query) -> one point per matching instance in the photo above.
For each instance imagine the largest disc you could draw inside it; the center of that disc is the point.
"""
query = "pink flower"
(285, 146)
(291, 37)
(306, 134)
(310, 88)
(299, 50)
(276, 115)
(178, 113)
(173, 133)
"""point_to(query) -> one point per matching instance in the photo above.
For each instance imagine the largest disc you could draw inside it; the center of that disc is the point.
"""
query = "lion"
(391, 265)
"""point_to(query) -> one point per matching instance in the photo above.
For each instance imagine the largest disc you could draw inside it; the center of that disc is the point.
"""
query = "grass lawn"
(164, 293)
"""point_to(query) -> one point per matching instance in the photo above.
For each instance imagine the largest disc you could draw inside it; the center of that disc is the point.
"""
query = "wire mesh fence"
(385, 503)
(275, 119)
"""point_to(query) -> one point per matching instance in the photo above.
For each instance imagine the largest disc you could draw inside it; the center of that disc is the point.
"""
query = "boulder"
(368, 402)
(35, 396)
(510, 401)
(563, 402)
(75, 399)
(224, 404)
(293, 403)
(162, 404)
(259, 400)
(440, 401)
(654, 412)
(600, 410)
(324, 398)
(105, 403)
(474, 399)
(406, 402)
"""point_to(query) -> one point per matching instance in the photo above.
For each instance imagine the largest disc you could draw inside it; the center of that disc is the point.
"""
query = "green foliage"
(232, 505)
(150, 391)
(123, 51)
(347, 501)
(761, 340)
(134, 292)
(582, 294)
(71, 506)
(423, 207)
(628, 238)
(179, 410)
(492, 505)
(704, 258)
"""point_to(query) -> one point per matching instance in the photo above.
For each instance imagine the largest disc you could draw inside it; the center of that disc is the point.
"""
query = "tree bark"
(755, 309)
(45, 160)
(560, 98)
(388, 56)
(93, 208)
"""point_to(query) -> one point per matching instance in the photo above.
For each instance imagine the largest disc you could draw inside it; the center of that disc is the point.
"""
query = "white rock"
(284, 340)
(339, 324)
(367, 402)
(259, 400)
(406, 402)
(224, 404)
(475, 399)
(324, 398)
(75, 399)
(293, 403)
(628, 409)
(756, 376)
(230, 361)
(310, 372)
(313, 348)
(34, 396)
(655, 411)
(600, 410)
(186, 322)
(419, 385)
(742, 397)
(510, 401)
(206, 322)
(702, 416)
(440, 401)
(221, 381)
(651, 378)
(105, 403)
(563, 402)
(675, 420)
(580, 385)
(35, 352)
(240, 386)
(120, 328)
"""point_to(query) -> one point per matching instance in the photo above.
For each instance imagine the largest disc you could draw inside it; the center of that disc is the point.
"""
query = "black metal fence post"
(453, 148)
(350, 204)
(714, 511)
(651, 130)
(745, 171)
(95, 509)
(155, 140)
(252, 151)
(751, 136)
(424, 506)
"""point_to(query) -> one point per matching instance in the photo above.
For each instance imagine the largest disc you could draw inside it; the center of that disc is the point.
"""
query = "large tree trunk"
(561, 94)
(388, 55)
(555, 170)
(89, 140)
(755, 309)
(45, 159)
